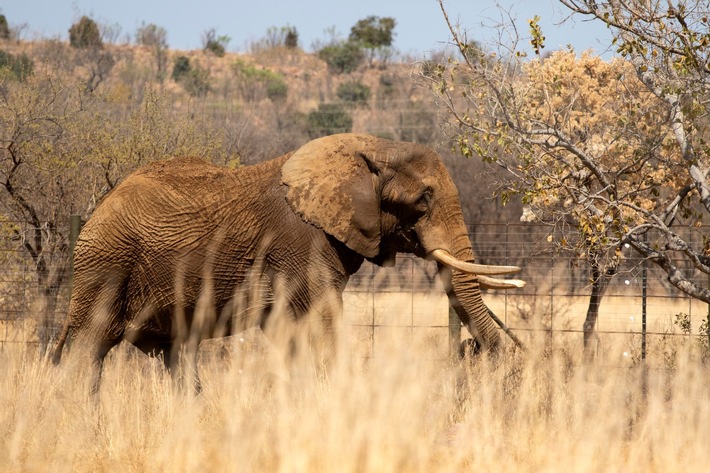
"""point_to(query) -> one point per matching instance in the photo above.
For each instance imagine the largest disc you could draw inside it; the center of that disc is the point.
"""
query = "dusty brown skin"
(183, 250)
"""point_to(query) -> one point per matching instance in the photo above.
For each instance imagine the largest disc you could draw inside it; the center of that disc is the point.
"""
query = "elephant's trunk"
(464, 294)
(457, 271)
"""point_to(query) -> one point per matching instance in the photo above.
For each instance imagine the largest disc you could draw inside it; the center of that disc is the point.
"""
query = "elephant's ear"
(332, 184)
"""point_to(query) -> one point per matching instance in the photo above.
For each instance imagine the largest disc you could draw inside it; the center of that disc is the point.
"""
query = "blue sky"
(420, 24)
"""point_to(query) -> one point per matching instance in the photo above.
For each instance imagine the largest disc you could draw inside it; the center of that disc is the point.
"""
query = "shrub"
(4, 28)
(291, 40)
(276, 88)
(254, 81)
(214, 44)
(196, 82)
(85, 34)
(19, 67)
(343, 57)
(353, 92)
(329, 119)
(181, 68)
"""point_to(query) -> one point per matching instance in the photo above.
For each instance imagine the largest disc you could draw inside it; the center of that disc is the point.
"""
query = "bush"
(291, 40)
(196, 82)
(344, 57)
(4, 28)
(353, 92)
(181, 68)
(254, 81)
(85, 34)
(276, 88)
(329, 119)
(214, 44)
(20, 66)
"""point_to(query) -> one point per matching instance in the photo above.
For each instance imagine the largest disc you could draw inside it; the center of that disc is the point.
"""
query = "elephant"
(183, 250)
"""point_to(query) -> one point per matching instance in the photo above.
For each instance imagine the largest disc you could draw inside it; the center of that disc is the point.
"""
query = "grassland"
(402, 411)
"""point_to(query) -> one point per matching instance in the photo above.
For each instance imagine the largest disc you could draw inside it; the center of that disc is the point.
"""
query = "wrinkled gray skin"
(182, 250)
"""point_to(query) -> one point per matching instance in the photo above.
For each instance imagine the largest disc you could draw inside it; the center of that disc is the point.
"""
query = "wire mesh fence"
(408, 300)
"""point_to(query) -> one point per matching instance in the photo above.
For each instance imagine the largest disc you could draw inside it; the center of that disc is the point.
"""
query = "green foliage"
(276, 88)
(329, 119)
(537, 40)
(704, 340)
(252, 78)
(4, 28)
(373, 32)
(196, 82)
(214, 44)
(342, 57)
(20, 67)
(353, 92)
(194, 79)
(474, 53)
(85, 34)
(682, 320)
(181, 68)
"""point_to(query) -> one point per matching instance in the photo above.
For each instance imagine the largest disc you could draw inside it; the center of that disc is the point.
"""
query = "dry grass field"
(400, 411)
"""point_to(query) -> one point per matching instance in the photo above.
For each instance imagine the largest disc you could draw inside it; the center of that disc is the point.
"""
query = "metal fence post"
(644, 296)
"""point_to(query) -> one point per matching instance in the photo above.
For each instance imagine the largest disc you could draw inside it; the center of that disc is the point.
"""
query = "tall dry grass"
(402, 411)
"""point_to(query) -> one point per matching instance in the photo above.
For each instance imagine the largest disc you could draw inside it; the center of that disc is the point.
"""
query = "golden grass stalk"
(401, 411)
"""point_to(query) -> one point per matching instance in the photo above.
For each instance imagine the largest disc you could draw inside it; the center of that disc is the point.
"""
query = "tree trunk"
(600, 283)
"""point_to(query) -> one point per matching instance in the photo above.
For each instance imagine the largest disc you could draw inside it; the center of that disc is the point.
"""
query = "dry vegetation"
(545, 411)
(403, 410)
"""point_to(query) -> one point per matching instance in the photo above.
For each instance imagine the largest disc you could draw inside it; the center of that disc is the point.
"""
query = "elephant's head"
(381, 197)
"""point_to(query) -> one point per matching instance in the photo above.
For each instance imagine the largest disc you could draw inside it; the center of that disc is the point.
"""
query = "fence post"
(454, 332)
(74, 229)
(644, 296)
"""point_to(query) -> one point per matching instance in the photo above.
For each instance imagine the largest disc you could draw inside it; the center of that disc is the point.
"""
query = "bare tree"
(62, 148)
(155, 38)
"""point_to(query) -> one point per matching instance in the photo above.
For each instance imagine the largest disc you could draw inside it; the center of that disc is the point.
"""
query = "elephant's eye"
(424, 201)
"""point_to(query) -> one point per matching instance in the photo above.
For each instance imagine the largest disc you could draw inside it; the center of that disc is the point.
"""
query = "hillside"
(266, 103)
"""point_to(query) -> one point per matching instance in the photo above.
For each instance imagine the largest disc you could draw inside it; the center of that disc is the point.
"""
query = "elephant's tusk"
(494, 283)
(447, 259)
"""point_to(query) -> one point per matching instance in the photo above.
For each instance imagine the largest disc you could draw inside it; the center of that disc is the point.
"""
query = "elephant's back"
(188, 176)
(175, 203)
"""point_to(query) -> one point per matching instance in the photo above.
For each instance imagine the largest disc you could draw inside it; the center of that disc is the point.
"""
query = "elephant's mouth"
(400, 241)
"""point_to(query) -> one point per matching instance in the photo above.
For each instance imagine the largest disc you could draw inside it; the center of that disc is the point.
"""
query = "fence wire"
(409, 299)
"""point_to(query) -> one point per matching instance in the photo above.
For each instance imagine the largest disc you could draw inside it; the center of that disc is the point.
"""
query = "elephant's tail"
(61, 341)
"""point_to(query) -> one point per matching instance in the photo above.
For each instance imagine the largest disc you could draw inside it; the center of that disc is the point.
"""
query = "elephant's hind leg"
(97, 321)
(97, 363)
